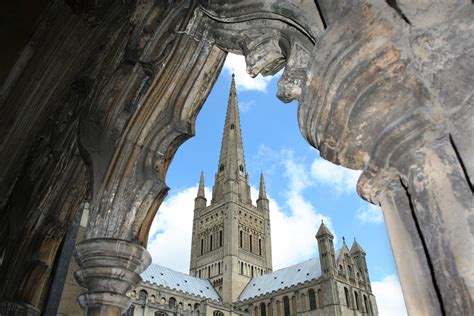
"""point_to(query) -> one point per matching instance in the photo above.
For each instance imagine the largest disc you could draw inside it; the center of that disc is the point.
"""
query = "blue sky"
(302, 187)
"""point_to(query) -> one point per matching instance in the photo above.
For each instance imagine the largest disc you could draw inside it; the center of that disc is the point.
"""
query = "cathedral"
(231, 257)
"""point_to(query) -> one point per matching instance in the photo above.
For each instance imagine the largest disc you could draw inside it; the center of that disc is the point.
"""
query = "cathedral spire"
(231, 160)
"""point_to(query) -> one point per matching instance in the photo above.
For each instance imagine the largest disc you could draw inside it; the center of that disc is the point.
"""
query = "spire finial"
(201, 186)
(262, 194)
(343, 240)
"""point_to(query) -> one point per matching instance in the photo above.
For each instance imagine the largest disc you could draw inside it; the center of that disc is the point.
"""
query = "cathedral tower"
(327, 256)
(231, 237)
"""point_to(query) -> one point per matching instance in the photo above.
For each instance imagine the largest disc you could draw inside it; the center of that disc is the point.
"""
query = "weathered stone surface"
(383, 83)
(383, 86)
(109, 269)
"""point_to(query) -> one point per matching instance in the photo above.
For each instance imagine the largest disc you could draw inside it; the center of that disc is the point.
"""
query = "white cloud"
(293, 231)
(236, 63)
(245, 106)
(171, 231)
(388, 294)
(370, 213)
(343, 180)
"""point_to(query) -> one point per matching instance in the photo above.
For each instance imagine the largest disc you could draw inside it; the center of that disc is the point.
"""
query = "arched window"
(252, 271)
(218, 313)
(241, 239)
(356, 295)
(263, 309)
(241, 268)
(286, 305)
(221, 168)
(172, 302)
(269, 308)
(180, 305)
(320, 298)
(349, 270)
(241, 168)
(278, 308)
(163, 301)
(260, 247)
(250, 243)
(340, 268)
(142, 296)
(190, 307)
(366, 305)
(312, 299)
(196, 306)
(218, 268)
(209, 271)
(220, 238)
(152, 299)
(255, 311)
(210, 242)
(294, 308)
(199, 273)
(160, 313)
(346, 293)
(232, 126)
(202, 246)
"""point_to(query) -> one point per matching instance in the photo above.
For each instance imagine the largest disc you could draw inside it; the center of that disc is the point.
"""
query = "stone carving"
(383, 86)
(380, 89)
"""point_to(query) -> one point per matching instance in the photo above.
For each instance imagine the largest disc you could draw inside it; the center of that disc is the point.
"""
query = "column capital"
(109, 268)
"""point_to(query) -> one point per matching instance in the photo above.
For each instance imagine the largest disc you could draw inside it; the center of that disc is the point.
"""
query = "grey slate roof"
(283, 278)
(178, 281)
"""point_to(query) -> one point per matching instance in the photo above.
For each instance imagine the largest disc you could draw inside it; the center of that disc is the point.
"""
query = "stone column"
(142, 106)
(109, 269)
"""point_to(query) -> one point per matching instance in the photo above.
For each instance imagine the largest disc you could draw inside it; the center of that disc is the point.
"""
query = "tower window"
(241, 239)
(250, 243)
(356, 300)
(221, 168)
(202, 246)
(312, 299)
(210, 247)
(232, 126)
(209, 271)
(241, 168)
(346, 294)
(220, 238)
(260, 247)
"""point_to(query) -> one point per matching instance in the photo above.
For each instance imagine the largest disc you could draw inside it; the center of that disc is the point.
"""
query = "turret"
(200, 201)
(358, 254)
(327, 257)
(262, 201)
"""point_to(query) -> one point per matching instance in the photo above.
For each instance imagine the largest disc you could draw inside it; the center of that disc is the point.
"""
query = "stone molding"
(109, 269)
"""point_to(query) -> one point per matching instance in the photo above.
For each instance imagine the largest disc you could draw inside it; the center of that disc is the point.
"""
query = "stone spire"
(356, 247)
(323, 231)
(200, 201)
(201, 186)
(231, 161)
(262, 201)
(262, 194)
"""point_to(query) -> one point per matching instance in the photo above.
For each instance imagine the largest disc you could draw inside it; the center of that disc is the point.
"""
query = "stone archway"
(383, 86)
